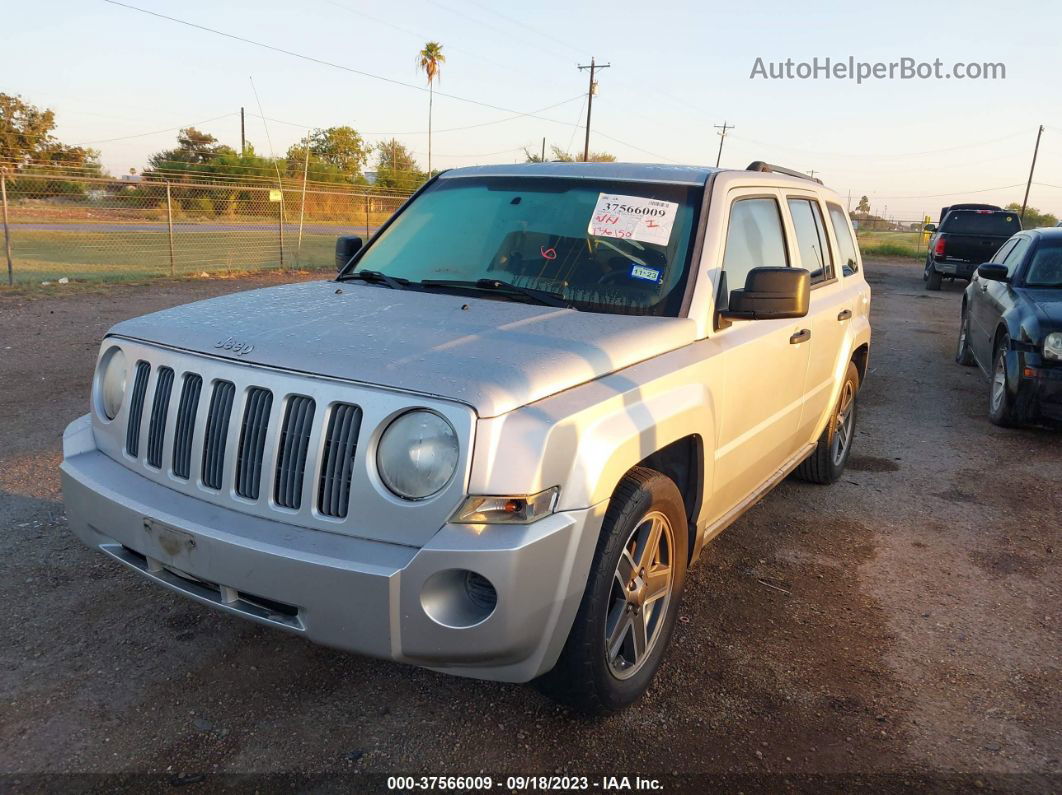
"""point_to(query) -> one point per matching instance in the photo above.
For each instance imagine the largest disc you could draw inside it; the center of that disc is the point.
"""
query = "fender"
(586, 438)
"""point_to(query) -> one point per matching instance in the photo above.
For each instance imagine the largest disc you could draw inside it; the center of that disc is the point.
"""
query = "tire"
(1002, 410)
(587, 677)
(933, 278)
(925, 271)
(963, 353)
(827, 461)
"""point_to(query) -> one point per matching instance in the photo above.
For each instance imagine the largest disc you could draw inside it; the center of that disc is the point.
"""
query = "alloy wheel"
(640, 595)
(843, 424)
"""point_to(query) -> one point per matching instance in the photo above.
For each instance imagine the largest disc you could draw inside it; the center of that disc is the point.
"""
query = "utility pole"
(812, 173)
(1032, 168)
(593, 67)
(543, 160)
(243, 135)
(722, 136)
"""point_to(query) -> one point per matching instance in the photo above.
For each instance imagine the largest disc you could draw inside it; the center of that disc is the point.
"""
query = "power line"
(879, 156)
(360, 72)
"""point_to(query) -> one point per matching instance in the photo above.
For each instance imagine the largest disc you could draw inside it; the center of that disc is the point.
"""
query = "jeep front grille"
(341, 440)
(136, 409)
(291, 455)
(252, 442)
(283, 446)
(217, 432)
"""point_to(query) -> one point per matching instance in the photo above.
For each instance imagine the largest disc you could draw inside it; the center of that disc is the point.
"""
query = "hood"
(1048, 305)
(493, 355)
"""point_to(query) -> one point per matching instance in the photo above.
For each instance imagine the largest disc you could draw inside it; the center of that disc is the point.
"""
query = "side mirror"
(993, 272)
(770, 294)
(930, 227)
(346, 247)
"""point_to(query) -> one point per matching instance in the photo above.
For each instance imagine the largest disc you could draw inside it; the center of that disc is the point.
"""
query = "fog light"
(458, 598)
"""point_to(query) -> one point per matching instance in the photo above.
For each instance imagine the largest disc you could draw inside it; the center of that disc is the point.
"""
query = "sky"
(124, 82)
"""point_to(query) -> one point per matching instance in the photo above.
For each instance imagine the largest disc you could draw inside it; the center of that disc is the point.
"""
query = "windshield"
(975, 222)
(603, 246)
(1045, 270)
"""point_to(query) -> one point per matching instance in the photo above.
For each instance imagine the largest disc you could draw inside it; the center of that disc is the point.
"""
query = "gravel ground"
(897, 629)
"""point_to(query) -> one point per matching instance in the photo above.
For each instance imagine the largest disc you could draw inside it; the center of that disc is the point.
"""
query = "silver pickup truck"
(495, 443)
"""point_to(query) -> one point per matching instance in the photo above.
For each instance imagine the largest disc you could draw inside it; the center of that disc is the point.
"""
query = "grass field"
(123, 256)
(892, 244)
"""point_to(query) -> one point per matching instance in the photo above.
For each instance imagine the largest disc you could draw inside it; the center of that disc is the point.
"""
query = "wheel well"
(861, 357)
(683, 462)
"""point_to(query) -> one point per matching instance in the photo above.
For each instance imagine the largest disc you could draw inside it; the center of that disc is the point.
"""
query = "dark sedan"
(1011, 327)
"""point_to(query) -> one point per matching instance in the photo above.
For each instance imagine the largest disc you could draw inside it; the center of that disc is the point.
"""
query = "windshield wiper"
(543, 297)
(376, 277)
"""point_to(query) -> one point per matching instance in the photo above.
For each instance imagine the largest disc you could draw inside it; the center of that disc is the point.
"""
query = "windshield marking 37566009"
(594, 245)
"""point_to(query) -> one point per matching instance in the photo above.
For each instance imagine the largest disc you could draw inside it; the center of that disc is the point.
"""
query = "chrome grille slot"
(217, 430)
(252, 442)
(186, 413)
(136, 409)
(159, 406)
(291, 457)
(341, 441)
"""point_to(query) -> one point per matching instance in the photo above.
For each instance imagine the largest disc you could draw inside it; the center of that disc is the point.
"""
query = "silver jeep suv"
(496, 442)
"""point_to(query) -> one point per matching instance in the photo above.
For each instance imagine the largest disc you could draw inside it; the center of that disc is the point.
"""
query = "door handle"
(845, 314)
(801, 336)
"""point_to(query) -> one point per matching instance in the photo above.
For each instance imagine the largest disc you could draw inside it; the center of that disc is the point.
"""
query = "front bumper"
(359, 595)
(1040, 388)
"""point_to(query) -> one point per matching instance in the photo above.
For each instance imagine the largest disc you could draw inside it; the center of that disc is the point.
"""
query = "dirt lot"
(899, 628)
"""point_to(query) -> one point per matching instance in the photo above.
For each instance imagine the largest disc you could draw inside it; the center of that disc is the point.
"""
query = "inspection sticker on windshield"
(633, 218)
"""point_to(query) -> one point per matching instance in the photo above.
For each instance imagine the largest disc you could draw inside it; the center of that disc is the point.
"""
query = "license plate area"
(174, 542)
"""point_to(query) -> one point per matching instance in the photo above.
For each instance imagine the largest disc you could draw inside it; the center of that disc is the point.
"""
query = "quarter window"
(1016, 255)
(754, 239)
(846, 245)
(811, 239)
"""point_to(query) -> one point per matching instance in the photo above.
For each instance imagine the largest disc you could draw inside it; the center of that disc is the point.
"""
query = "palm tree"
(430, 59)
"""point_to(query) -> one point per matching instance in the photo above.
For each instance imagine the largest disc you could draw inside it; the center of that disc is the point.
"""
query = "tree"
(193, 148)
(430, 59)
(396, 168)
(863, 208)
(559, 155)
(1033, 217)
(26, 139)
(336, 154)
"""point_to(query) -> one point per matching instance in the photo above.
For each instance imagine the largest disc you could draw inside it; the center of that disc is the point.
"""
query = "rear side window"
(974, 222)
(845, 243)
(754, 239)
(811, 238)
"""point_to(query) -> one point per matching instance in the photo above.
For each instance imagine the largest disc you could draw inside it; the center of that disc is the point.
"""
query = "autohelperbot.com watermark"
(861, 72)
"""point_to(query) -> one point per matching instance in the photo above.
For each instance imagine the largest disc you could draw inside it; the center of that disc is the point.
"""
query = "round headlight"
(417, 455)
(112, 382)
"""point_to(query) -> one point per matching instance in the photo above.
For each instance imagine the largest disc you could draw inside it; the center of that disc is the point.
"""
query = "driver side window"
(754, 239)
(1016, 255)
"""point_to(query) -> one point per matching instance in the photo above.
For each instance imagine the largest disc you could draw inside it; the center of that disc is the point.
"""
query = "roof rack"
(759, 165)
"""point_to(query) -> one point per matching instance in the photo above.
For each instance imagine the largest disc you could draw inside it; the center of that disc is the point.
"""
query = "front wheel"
(628, 611)
(1001, 401)
(827, 461)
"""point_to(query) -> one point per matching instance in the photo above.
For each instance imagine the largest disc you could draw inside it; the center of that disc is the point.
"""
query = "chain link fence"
(61, 226)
